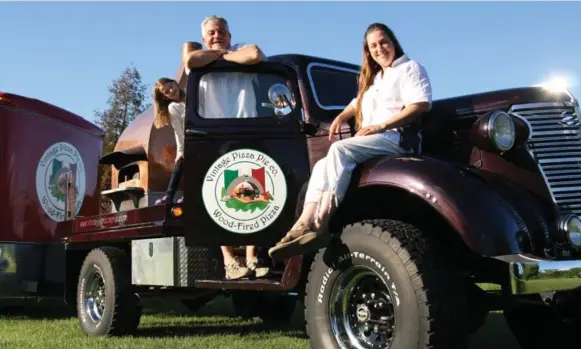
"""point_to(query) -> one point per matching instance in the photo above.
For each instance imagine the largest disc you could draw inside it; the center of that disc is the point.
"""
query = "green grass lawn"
(213, 326)
(536, 285)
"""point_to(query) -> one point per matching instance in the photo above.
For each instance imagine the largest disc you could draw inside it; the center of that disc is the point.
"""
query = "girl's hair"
(161, 103)
(370, 68)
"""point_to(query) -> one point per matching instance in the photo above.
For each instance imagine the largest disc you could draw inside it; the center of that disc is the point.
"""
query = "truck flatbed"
(143, 222)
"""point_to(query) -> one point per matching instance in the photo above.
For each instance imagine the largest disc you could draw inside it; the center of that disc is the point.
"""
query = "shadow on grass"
(219, 306)
(160, 330)
(493, 334)
(216, 317)
(33, 309)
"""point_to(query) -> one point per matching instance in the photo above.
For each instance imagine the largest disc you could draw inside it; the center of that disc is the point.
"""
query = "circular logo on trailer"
(59, 162)
(244, 191)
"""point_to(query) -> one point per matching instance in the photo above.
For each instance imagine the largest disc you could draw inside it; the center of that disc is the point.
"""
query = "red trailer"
(494, 196)
(41, 147)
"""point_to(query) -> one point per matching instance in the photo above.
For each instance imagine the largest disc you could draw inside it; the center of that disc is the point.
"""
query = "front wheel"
(384, 286)
(106, 304)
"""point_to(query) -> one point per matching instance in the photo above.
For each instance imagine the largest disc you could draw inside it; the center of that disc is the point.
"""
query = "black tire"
(478, 307)
(194, 304)
(541, 326)
(122, 310)
(273, 308)
(420, 289)
(277, 309)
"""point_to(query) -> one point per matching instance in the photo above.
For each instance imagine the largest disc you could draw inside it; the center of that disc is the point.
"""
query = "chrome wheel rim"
(95, 295)
(362, 312)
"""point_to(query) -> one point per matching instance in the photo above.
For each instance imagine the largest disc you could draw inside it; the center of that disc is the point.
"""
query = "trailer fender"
(488, 224)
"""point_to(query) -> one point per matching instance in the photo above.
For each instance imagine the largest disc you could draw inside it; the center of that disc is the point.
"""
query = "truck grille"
(556, 146)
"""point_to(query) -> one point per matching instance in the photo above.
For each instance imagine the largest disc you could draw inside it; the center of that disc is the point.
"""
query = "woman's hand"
(345, 115)
(369, 130)
(335, 127)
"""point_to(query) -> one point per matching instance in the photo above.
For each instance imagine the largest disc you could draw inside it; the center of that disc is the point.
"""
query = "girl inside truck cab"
(169, 108)
(393, 92)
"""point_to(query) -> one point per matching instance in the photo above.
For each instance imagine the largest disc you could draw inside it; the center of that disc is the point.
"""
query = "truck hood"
(492, 100)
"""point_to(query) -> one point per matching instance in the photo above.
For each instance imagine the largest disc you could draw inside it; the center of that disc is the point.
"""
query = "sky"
(68, 53)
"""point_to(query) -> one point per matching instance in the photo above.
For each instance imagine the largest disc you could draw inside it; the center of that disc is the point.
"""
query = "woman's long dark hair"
(369, 68)
(161, 103)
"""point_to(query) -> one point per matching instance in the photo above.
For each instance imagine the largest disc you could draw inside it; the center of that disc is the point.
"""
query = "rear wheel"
(106, 304)
(384, 286)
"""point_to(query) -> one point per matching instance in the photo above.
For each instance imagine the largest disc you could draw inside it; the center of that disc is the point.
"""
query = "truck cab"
(269, 143)
(493, 197)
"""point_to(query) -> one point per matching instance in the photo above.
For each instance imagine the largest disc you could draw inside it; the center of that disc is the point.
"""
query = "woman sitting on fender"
(393, 92)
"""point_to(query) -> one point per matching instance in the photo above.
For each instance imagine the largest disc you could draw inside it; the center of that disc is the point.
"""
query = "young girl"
(169, 108)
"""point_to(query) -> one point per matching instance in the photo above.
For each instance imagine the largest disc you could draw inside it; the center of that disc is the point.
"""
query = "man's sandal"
(297, 242)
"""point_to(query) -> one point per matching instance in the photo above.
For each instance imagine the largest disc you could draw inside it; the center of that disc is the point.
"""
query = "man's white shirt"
(227, 94)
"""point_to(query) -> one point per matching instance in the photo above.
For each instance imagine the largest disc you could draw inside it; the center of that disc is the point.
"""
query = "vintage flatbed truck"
(493, 197)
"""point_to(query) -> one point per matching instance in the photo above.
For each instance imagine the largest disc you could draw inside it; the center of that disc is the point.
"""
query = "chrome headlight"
(501, 130)
(570, 225)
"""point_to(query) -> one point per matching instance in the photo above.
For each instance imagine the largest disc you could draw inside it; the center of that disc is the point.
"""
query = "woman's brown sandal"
(290, 243)
(293, 235)
(297, 242)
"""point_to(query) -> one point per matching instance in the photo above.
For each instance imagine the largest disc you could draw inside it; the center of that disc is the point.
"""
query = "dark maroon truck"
(494, 197)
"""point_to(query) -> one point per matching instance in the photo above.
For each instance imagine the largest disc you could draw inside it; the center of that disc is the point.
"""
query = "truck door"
(245, 154)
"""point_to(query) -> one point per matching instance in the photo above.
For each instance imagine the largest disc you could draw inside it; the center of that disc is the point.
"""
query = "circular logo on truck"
(59, 162)
(244, 191)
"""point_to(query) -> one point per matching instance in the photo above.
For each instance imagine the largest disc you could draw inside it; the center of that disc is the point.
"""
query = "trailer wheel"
(106, 305)
(384, 286)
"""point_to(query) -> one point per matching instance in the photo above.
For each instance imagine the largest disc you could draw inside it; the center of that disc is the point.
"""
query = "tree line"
(532, 272)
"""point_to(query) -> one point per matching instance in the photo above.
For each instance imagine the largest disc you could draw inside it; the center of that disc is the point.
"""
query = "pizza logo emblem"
(244, 191)
(59, 162)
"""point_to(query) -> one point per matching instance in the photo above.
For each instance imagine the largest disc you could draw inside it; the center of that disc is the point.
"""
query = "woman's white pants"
(333, 172)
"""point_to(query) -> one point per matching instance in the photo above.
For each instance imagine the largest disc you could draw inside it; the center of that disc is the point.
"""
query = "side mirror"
(281, 98)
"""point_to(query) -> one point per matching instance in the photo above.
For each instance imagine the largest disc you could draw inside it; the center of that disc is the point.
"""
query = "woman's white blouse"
(405, 82)
(177, 114)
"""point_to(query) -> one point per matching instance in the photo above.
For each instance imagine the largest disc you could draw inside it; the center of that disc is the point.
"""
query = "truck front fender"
(486, 223)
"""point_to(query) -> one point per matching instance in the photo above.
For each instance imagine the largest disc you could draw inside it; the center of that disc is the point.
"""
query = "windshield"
(240, 95)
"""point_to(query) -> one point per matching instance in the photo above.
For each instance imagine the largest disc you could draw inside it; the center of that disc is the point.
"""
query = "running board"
(246, 284)
(288, 281)
(167, 262)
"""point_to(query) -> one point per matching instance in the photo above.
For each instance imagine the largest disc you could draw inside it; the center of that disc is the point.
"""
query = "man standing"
(226, 95)
(217, 38)
(223, 95)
